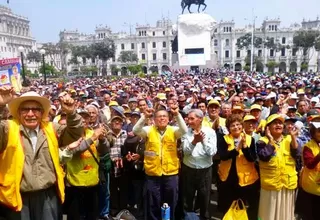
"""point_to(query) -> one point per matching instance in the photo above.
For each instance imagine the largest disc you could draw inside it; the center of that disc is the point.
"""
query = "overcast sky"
(49, 17)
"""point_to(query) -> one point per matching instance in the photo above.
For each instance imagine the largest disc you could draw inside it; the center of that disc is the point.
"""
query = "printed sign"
(10, 73)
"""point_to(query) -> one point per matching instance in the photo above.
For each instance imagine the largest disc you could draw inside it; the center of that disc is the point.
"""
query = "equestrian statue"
(188, 3)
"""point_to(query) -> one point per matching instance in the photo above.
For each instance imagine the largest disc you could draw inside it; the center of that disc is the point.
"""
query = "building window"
(164, 33)
(153, 33)
(227, 42)
(14, 49)
(122, 46)
(154, 56)
(139, 33)
(154, 45)
(143, 56)
(216, 52)
(271, 52)
(276, 27)
(230, 29)
(227, 53)
(249, 53)
(215, 30)
(132, 46)
(283, 40)
(283, 51)
(294, 51)
(224, 29)
(5, 49)
(259, 53)
(9, 49)
(238, 53)
(164, 56)
(143, 45)
(164, 44)
(215, 42)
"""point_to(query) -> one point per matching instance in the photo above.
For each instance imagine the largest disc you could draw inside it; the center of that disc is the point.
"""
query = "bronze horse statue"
(188, 3)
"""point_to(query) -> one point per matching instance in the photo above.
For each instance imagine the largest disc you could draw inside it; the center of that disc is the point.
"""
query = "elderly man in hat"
(31, 178)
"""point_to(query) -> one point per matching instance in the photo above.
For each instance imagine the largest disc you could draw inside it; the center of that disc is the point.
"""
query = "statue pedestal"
(195, 40)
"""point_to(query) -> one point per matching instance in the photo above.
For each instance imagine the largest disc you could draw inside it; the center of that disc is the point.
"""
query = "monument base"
(195, 40)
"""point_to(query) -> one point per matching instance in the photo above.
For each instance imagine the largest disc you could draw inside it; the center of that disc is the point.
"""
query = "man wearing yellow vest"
(161, 162)
(31, 178)
(82, 173)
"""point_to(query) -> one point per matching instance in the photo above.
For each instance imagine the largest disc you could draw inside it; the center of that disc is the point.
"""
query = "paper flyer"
(10, 73)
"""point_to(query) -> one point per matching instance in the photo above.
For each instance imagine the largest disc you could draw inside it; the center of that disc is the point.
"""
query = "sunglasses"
(27, 110)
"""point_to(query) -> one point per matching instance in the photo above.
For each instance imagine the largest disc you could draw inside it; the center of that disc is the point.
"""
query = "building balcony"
(283, 58)
(272, 58)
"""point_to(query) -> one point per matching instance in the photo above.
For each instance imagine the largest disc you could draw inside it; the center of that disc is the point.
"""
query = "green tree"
(114, 70)
(245, 41)
(49, 69)
(305, 40)
(128, 57)
(61, 49)
(257, 61)
(272, 65)
(246, 68)
(304, 67)
(134, 69)
(34, 56)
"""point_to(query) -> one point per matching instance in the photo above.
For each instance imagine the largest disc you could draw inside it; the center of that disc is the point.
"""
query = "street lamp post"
(43, 52)
(23, 72)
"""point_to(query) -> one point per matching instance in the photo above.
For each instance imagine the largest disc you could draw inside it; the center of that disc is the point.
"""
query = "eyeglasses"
(27, 110)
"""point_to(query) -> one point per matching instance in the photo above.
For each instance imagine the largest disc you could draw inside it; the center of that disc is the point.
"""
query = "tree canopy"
(128, 57)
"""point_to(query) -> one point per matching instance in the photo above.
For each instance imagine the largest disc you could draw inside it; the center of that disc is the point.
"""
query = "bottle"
(165, 211)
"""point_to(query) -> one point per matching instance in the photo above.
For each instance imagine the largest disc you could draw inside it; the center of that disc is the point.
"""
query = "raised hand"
(268, 134)
(149, 112)
(68, 104)
(7, 93)
(175, 110)
(100, 133)
(75, 144)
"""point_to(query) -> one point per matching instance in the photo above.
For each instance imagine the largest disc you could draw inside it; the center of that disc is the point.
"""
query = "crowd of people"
(92, 147)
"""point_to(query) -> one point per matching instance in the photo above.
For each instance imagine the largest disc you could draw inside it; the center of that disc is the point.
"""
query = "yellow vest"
(280, 171)
(12, 161)
(310, 179)
(82, 169)
(246, 170)
(161, 156)
(208, 123)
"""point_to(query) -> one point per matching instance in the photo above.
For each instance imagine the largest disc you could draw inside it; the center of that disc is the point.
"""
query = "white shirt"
(33, 136)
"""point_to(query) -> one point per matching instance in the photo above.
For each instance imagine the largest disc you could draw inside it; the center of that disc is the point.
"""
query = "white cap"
(294, 96)
(269, 86)
(271, 95)
(315, 99)
(218, 98)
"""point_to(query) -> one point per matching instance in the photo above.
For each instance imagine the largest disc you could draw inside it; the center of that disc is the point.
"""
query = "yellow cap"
(237, 107)
(300, 92)
(161, 96)
(273, 117)
(167, 90)
(222, 93)
(255, 106)
(249, 118)
(214, 102)
(113, 103)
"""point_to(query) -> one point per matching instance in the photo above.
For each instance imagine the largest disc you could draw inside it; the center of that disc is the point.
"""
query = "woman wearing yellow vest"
(278, 174)
(238, 176)
(308, 201)
(82, 174)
